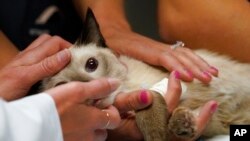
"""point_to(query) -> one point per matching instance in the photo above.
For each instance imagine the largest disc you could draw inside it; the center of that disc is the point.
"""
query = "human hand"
(128, 102)
(44, 57)
(184, 60)
(172, 99)
(79, 120)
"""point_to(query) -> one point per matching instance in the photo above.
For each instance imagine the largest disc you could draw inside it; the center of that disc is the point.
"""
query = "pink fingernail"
(214, 70)
(177, 75)
(214, 107)
(205, 74)
(144, 97)
(190, 74)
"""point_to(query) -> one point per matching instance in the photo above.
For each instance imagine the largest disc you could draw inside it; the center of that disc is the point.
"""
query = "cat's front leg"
(152, 121)
(182, 123)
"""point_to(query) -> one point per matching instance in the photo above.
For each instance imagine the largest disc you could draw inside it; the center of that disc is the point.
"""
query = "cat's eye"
(91, 64)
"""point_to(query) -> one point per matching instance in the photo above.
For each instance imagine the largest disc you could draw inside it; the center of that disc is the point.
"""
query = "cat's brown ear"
(91, 32)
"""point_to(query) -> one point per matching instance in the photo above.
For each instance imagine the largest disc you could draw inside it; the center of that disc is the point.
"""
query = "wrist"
(109, 14)
(111, 20)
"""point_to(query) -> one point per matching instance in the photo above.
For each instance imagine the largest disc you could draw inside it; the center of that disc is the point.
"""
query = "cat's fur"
(231, 89)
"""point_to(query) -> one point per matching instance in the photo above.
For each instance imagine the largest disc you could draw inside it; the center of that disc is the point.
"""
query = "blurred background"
(142, 15)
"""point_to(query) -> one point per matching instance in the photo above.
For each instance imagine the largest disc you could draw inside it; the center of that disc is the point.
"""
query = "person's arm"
(33, 118)
(119, 36)
(125, 103)
(213, 25)
(8, 50)
(60, 114)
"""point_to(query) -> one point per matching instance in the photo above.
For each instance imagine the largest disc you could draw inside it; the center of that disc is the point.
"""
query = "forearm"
(109, 13)
(33, 122)
(224, 31)
(8, 50)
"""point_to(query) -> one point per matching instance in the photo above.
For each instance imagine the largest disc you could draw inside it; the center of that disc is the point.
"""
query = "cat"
(91, 59)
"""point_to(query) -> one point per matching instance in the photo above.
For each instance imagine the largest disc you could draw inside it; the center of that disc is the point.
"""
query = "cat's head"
(91, 59)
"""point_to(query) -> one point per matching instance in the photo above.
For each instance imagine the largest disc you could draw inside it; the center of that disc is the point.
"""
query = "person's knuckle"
(163, 58)
(104, 83)
(75, 85)
(57, 38)
(131, 102)
(176, 88)
(78, 88)
(47, 66)
(187, 50)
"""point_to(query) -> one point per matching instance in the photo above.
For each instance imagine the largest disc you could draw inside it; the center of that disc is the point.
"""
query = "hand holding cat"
(126, 103)
(184, 60)
(81, 121)
(44, 57)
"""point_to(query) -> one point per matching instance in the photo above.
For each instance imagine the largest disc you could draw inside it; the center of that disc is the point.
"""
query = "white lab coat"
(32, 118)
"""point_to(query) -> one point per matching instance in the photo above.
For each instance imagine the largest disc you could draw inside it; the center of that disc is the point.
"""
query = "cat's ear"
(91, 32)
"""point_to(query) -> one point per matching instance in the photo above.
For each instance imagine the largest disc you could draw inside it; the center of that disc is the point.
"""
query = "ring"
(177, 44)
(107, 114)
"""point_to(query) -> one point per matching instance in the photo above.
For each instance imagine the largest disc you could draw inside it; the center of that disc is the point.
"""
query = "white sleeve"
(32, 118)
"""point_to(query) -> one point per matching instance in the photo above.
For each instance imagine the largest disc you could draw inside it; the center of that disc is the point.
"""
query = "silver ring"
(177, 44)
(108, 116)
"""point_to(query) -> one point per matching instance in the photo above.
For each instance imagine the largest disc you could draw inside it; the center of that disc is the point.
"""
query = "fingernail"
(177, 75)
(214, 70)
(64, 55)
(114, 83)
(190, 74)
(214, 107)
(205, 74)
(144, 97)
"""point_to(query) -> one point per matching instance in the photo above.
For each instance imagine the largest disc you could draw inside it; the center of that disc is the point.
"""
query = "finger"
(79, 92)
(205, 114)
(49, 66)
(110, 118)
(101, 88)
(46, 49)
(171, 62)
(203, 64)
(38, 41)
(127, 130)
(174, 91)
(100, 135)
(149, 49)
(197, 72)
(135, 100)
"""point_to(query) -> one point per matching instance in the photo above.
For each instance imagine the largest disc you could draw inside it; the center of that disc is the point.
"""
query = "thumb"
(50, 65)
(74, 93)
(205, 114)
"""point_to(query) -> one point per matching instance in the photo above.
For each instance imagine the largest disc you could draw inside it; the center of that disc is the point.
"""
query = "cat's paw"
(182, 123)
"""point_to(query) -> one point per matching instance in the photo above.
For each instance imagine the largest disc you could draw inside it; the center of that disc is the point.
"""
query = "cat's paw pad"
(182, 123)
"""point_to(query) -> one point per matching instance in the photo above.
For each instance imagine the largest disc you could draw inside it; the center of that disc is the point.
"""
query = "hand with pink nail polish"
(120, 37)
(127, 103)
